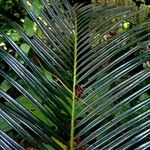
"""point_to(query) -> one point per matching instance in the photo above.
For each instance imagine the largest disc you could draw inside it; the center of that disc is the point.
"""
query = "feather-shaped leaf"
(82, 83)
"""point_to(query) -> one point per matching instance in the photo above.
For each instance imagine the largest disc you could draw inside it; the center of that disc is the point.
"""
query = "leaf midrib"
(74, 84)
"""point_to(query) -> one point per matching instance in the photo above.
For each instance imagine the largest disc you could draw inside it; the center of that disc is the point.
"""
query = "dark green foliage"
(76, 79)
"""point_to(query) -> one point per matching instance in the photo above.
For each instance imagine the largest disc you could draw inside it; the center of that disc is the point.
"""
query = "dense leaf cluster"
(74, 77)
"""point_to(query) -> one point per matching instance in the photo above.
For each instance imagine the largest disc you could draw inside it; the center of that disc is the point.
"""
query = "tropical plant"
(82, 84)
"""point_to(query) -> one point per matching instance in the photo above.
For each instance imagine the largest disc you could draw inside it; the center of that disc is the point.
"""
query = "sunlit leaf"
(28, 26)
(25, 47)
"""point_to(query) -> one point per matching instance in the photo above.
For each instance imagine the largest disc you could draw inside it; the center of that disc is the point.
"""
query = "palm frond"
(94, 97)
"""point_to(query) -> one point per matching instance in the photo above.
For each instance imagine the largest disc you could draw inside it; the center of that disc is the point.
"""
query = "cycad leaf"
(82, 83)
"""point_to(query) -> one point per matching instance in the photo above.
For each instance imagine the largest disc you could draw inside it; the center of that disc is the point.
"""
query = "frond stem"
(74, 84)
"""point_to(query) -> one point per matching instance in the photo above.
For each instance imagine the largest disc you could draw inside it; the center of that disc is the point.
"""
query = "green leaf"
(5, 85)
(31, 107)
(4, 126)
(36, 7)
(126, 25)
(15, 36)
(1, 39)
(144, 96)
(6, 27)
(28, 26)
(25, 47)
(49, 147)
(48, 75)
(1, 1)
